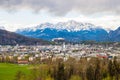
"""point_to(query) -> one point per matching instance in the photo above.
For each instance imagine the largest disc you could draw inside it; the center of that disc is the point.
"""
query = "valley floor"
(8, 71)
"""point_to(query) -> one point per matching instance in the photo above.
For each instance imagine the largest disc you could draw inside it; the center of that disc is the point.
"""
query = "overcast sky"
(16, 14)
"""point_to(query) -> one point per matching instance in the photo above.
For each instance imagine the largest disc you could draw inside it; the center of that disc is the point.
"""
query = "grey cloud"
(61, 7)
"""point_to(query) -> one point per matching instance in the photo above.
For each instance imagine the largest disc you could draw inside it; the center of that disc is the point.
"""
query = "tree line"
(84, 69)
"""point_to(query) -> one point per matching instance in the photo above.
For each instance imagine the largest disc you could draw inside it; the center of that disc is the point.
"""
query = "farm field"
(8, 71)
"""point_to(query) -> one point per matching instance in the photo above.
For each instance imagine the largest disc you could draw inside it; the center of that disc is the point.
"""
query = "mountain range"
(115, 35)
(71, 31)
(11, 38)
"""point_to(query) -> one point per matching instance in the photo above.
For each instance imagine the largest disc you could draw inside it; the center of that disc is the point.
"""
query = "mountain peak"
(69, 26)
(2, 27)
(70, 30)
(72, 22)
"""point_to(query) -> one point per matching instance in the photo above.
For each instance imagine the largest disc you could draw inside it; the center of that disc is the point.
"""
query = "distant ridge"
(69, 26)
(115, 35)
(11, 38)
(72, 31)
(2, 27)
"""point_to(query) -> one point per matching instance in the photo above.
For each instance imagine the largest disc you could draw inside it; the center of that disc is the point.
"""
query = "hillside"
(115, 35)
(11, 38)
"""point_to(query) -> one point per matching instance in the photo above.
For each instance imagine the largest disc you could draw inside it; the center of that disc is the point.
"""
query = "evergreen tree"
(111, 69)
(60, 72)
(98, 71)
(90, 73)
(117, 69)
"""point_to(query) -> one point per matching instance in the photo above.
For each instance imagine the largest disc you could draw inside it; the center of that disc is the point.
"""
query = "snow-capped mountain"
(70, 26)
(71, 31)
(115, 35)
(2, 27)
(74, 26)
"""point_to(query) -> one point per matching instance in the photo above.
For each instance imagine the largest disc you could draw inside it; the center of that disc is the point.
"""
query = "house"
(58, 40)
(22, 62)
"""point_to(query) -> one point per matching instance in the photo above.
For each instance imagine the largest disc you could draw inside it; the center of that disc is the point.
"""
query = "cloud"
(62, 7)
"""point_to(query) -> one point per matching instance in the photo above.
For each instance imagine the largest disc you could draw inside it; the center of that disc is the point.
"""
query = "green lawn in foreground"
(8, 71)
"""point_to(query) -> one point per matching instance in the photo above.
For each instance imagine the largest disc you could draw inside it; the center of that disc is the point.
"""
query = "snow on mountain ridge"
(70, 26)
(108, 30)
(2, 27)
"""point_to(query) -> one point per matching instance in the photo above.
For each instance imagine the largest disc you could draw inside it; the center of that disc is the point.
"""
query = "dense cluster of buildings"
(26, 54)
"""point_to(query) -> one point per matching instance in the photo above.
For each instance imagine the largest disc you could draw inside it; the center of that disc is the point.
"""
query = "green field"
(8, 71)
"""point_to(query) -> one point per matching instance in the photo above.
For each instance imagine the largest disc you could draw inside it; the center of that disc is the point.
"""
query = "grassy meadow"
(8, 71)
